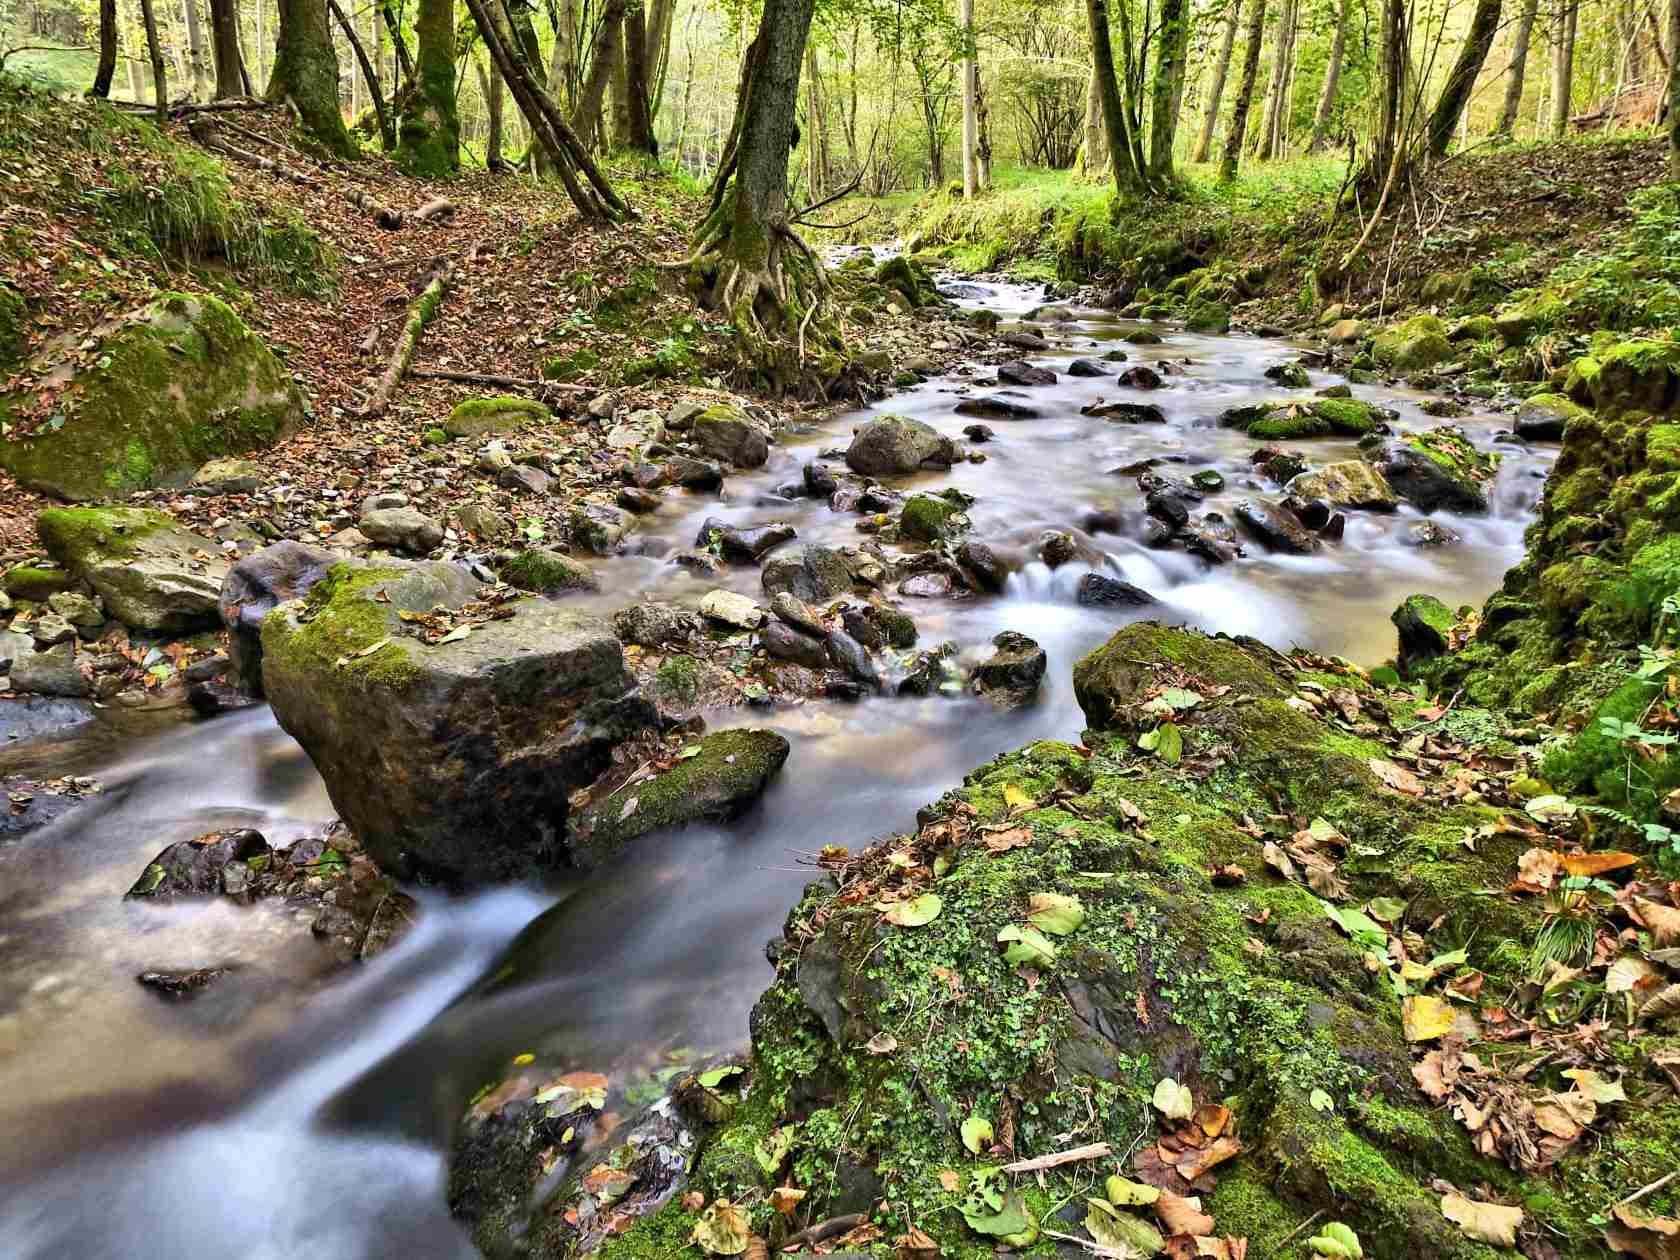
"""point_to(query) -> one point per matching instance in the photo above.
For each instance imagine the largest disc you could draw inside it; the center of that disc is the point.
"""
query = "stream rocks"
(894, 445)
(151, 573)
(1011, 675)
(713, 779)
(726, 433)
(1348, 483)
(253, 588)
(1439, 470)
(452, 760)
(810, 573)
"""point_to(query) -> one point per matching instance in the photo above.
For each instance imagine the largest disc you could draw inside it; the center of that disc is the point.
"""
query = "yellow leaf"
(1424, 1018)
(785, 1198)
(1015, 798)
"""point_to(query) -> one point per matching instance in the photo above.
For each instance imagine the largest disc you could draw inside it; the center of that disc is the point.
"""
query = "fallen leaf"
(1182, 1214)
(1016, 798)
(1629, 974)
(1491, 1223)
(1590, 864)
(1396, 776)
(1056, 913)
(1003, 841)
(881, 1043)
(915, 1245)
(722, 1229)
(693, 1201)
(785, 1199)
(950, 1180)
(1213, 1118)
(1026, 945)
(976, 1134)
(1121, 1232)
(1664, 921)
(917, 912)
(1595, 1086)
(1124, 1193)
(1648, 1237)
(1539, 867)
(1195, 1163)
(1548, 809)
(1337, 1241)
(1277, 859)
(1424, 1018)
(1173, 1100)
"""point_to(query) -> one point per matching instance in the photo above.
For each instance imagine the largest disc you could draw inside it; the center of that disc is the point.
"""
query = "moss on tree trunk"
(306, 73)
(429, 138)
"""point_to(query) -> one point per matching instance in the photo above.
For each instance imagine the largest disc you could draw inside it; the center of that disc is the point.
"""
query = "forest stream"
(281, 1114)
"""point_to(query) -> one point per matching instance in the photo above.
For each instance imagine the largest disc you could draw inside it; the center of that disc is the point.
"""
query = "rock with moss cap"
(1320, 417)
(1425, 625)
(1421, 342)
(894, 445)
(1543, 417)
(713, 779)
(452, 761)
(151, 573)
(931, 518)
(544, 571)
(1638, 375)
(1440, 470)
(727, 433)
(1349, 483)
(477, 416)
(165, 388)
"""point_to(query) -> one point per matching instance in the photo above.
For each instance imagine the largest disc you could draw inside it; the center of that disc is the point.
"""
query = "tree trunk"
(1108, 88)
(136, 85)
(429, 132)
(258, 25)
(393, 25)
(160, 84)
(490, 83)
(306, 73)
(1096, 138)
(658, 52)
(983, 147)
(1332, 81)
(970, 106)
(620, 113)
(601, 61)
(562, 67)
(1216, 91)
(1163, 107)
(1245, 93)
(1674, 90)
(387, 132)
(1396, 58)
(1271, 127)
(1563, 68)
(1455, 96)
(224, 49)
(195, 48)
(753, 266)
(107, 50)
(636, 80)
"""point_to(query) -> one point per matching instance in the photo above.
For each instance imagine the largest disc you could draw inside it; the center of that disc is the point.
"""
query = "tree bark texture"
(1272, 125)
(1245, 93)
(490, 83)
(224, 49)
(107, 50)
(1674, 89)
(387, 131)
(1461, 81)
(602, 58)
(429, 133)
(1563, 67)
(306, 73)
(1332, 82)
(1108, 88)
(970, 106)
(1216, 90)
(641, 138)
(195, 48)
(160, 83)
(1096, 136)
(1163, 108)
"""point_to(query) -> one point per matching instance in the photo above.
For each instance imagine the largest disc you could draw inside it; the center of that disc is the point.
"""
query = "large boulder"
(158, 392)
(452, 760)
(477, 416)
(1543, 417)
(151, 573)
(892, 445)
(813, 574)
(712, 780)
(724, 432)
(1421, 342)
(254, 587)
(1440, 471)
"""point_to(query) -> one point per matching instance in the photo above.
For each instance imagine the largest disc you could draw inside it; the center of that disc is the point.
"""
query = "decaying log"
(420, 313)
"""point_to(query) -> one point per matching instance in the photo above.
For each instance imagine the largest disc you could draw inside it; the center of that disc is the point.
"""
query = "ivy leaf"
(977, 1135)
(1026, 945)
(1055, 913)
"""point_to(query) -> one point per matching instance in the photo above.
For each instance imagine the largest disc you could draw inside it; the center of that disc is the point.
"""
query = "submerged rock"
(712, 780)
(452, 760)
(1097, 590)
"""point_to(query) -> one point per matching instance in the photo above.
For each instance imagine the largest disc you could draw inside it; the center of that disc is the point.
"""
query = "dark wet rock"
(1430, 534)
(698, 562)
(932, 672)
(865, 631)
(852, 659)
(1103, 521)
(891, 445)
(451, 760)
(1167, 508)
(1150, 482)
(1129, 412)
(878, 499)
(1312, 513)
(1208, 480)
(988, 569)
(599, 527)
(641, 502)
(978, 432)
(1087, 368)
(726, 433)
(525, 477)
(1097, 590)
(1155, 533)
(221, 863)
(1022, 339)
(1425, 627)
(1141, 376)
(1022, 373)
(1335, 527)
(897, 628)
(927, 585)
(743, 545)
(151, 573)
(655, 624)
(1288, 375)
(811, 573)
(1444, 408)
(181, 985)
(997, 407)
(1278, 464)
(1212, 540)
(798, 614)
(1011, 675)
(27, 805)
(1428, 484)
(1543, 417)
(1056, 547)
(1274, 528)
(819, 480)
(694, 474)
(788, 643)
(730, 772)
(962, 289)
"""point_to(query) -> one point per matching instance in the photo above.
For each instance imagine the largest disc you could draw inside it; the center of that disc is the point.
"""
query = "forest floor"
(100, 216)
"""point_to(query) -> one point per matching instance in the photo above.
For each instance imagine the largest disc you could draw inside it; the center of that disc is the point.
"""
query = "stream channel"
(289, 1113)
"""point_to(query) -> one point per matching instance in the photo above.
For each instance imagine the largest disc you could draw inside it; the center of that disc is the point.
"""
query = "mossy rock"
(14, 325)
(930, 518)
(1425, 625)
(1421, 342)
(908, 280)
(478, 416)
(714, 779)
(35, 582)
(167, 387)
(1534, 312)
(1322, 417)
(544, 570)
(1628, 376)
(1472, 328)
(1205, 315)
(151, 573)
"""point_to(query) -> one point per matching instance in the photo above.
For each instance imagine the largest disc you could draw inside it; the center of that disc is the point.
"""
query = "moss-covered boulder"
(1347, 483)
(1321, 417)
(930, 518)
(1532, 312)
(909, 280)
(727, 433)
(151, 573)
(1440, 470)
(1543, 417)
(14, 325)
(1421, 342)
(1425, 625)
(711, 780)
(36, 582)
(1628, 376)
(545, 571)
(162, 389)
(892, 445)
(1205, 315)
(478, 416)
(451, 758)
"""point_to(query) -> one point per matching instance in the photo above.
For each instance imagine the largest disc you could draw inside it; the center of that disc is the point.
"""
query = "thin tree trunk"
(393, 25)
(1163, 107)
(387, 132)
(160, 84)
(107, 50)
(1096, 138)
(1455, 96)
(1674, 90)
(1271, 128)
(1221, 68)
(1245, 93)
(195, 48)
(641, 137)
(562, 67)
(658, 52)
(224, 49)
(1563, 68)
(306, 73)
(620, 112)
(136, 84)
(601, 61)
(1108, 88)
(1332, 82)
(970, 106)
(258, 26)
(490, 83)
(983, 147)
(1396, 58)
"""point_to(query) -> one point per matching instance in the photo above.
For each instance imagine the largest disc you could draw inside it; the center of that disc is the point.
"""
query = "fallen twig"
(1095, 1248)
(1645, 1190)
(542, 389)
(833, 1227)
(1299, 1228)
(1096, 1150)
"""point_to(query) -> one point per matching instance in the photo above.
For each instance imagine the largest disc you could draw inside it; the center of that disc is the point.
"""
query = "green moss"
(14, 325)
(72, 535)
(340, 619)
(541, 569)
(32, 582)
(1420, 342)
(678, 679)
(477, 416)
(929, 518)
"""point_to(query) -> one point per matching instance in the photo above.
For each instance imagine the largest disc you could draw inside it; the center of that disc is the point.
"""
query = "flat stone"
(731, 609)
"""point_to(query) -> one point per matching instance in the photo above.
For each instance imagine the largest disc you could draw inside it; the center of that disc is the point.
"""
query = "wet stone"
(1087, 367)
(997, 407)
(1141, 376)
(1097, 590)
(978, 432)
(1023, 373)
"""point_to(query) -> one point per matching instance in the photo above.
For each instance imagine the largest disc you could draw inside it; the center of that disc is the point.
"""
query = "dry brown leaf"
(1664, 921)
(1590, 864)
(1277, 859)
(1539, 868)
(785, 1199)
(1212, 1118)
(1182, 1214)
(915, 1245)
(1396, 776)
(1492, 1223)
(1648, 1237)
(1661, 1004)
(1003, 841)
(1195, 1163)
(950, 1180)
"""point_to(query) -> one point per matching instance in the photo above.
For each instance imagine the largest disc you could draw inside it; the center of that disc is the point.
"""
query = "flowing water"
(286, 1112)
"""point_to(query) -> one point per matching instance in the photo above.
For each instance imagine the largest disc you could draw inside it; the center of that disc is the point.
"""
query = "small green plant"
(1571, 926)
